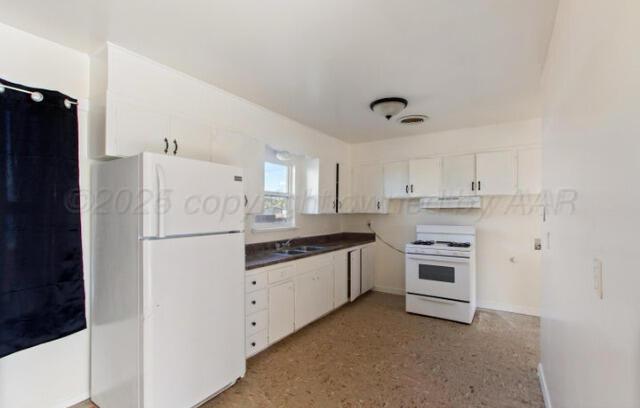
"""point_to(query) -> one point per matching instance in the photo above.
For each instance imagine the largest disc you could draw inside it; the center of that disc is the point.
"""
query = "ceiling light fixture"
(388, 107)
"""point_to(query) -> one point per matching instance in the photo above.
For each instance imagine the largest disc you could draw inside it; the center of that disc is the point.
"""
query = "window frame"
(290, 222)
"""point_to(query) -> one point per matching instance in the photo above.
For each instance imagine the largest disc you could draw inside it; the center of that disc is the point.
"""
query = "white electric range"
(440, 272)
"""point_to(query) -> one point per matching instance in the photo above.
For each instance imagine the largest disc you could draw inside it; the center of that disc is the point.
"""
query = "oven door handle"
(437, 300)
(438, 259)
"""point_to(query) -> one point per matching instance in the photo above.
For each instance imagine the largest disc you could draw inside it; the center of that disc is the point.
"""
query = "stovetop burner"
(447, 243)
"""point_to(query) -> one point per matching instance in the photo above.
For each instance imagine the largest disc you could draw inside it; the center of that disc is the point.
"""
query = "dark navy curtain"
(41, 278)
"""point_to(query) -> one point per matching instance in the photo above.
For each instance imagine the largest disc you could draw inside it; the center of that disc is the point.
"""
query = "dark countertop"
(263, 253)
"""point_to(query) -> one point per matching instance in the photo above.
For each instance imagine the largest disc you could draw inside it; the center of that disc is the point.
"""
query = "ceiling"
(321, 62)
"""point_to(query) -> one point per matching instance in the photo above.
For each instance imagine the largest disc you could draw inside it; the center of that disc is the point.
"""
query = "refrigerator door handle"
(159, 200)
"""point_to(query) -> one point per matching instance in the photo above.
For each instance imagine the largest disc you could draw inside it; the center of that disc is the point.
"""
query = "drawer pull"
(253, 344)
(253, 302)
(253, 282)
(253, 323)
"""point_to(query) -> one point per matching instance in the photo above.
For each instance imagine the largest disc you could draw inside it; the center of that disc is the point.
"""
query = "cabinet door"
(368, 268)
(189, 138)
(281, 311)
(355, 275)
(132, 129)
(313, 294)
(328, 187)
(458, 175)
(345, 199)
(530, 170)
(495, 173)
(371, 183)
(340, 278)
(396, 180)
(237, 149)
(425, 177)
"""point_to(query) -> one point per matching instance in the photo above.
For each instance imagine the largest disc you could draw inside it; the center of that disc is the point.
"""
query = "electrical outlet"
(597, 278)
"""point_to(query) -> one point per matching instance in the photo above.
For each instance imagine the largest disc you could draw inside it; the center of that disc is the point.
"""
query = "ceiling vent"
(413, 119)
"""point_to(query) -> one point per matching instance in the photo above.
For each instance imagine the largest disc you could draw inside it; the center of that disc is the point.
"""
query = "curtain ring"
(37, 96)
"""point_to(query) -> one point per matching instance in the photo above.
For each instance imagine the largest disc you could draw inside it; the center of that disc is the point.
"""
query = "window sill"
(273, 229)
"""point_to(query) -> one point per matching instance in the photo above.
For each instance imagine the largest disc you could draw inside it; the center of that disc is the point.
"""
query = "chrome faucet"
(286, 244)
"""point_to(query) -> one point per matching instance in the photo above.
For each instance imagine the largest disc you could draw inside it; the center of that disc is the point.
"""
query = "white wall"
(54, 374)
(503, 231)
(156, 85)
(591, 347)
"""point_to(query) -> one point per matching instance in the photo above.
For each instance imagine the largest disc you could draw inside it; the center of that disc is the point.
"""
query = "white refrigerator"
(167, 310)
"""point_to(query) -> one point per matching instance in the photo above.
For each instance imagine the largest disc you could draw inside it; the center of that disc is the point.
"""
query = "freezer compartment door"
(186, 197)
(193, 311)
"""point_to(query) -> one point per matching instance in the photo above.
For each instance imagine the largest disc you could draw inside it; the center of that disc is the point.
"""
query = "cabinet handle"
(378, 205)
(479, 186)
(246, 201)
(473, 186)
(175, 147)
(166, 145)
(406, 188)
(412, 188)
(253, 302)
(333, 204)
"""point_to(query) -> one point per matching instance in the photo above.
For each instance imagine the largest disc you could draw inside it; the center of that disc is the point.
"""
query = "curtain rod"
(35, 96)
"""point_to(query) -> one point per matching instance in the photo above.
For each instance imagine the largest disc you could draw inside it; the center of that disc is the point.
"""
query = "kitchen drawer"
(282, 273)
(441, 308)
(255, 282)
(256, 301)
(257, 322)
(256, 343)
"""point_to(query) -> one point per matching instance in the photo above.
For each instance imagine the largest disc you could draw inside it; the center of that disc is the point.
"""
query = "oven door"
(438, 276)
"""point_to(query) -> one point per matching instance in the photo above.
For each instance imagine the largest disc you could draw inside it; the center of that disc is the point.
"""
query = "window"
(278, 210)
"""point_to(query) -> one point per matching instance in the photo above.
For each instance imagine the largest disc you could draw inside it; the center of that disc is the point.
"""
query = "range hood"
(450, 202)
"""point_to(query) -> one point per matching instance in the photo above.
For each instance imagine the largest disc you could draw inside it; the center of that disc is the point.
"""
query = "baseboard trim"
(543, 387)
(384, 289)
(525, 310)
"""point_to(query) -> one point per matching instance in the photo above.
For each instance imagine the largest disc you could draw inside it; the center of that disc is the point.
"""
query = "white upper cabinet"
(368, 189)
(345, 199)
(237, 149)
(529, 170)
(396, 180)
(125, 122)
(495, 173)
(327, 187)
(189, 138)
(459, 175)
(131, 128)
(425, 177)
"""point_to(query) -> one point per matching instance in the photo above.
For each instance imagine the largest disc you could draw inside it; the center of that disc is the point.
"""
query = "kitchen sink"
(309, 248)
(291, 252)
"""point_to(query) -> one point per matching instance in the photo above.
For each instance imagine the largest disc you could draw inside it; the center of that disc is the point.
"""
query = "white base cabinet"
(283, 298)
(281, 307)
(313, 295)
(341, 278)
